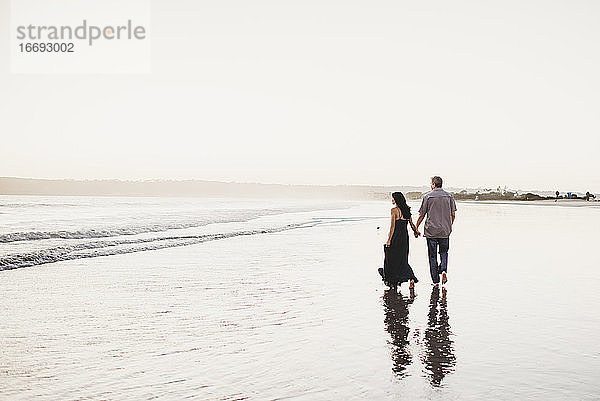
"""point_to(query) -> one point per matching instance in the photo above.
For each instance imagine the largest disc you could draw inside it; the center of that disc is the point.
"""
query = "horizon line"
(175, 180)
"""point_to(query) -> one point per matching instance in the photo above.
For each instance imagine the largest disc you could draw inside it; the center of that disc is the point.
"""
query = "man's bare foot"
(412, 284)
(444, 278)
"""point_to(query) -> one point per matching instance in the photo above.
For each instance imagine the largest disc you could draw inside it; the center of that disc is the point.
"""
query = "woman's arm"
(392, 225)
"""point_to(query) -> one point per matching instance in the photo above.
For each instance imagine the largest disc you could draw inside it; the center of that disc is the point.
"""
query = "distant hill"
(195, 188)
(199, 188)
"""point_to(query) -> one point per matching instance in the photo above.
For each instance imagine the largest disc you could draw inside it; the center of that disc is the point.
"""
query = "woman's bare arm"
(392, 226)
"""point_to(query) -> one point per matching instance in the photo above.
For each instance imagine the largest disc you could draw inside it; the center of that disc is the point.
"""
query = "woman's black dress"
(396, 269)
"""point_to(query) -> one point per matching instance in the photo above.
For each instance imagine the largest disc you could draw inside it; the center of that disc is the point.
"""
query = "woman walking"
(396, 269)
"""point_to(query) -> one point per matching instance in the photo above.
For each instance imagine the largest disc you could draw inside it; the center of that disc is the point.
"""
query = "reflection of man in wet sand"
(396, 323)
(439, 358)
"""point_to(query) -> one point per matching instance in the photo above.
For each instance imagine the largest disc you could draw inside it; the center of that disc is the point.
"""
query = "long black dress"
(396, 269)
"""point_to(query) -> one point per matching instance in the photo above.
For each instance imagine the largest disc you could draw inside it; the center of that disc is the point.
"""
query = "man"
(439, 207)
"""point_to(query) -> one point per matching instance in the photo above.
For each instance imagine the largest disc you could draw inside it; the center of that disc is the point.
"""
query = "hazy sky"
(484, 93)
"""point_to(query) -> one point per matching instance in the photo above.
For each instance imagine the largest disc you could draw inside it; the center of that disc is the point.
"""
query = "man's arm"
(419, 220)
(453, 216)
(415, 230)
(422, 212)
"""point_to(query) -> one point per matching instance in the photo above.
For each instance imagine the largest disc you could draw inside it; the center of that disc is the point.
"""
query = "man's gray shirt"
(438, 205)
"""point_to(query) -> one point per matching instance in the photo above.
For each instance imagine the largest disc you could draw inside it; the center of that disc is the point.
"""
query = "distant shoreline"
(194, 188)
(214, 189)
(546, 202)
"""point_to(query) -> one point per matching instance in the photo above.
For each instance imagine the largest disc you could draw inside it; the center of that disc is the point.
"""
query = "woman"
(396, 269)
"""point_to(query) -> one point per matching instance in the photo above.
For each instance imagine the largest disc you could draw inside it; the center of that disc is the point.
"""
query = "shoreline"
(546, 202)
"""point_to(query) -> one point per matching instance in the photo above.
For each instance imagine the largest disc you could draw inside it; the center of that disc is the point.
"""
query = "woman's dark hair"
(401, 203)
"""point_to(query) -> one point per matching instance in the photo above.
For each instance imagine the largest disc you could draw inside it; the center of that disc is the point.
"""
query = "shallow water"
(299, 312)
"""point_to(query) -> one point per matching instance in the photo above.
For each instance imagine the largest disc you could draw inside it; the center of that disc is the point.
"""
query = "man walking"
(439, 207)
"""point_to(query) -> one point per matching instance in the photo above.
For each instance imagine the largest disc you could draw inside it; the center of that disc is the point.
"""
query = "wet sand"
(303, 314)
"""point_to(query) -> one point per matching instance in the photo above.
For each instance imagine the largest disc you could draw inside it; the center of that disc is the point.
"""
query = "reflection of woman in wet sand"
(439, 358)
(396, 323)
(396, 269)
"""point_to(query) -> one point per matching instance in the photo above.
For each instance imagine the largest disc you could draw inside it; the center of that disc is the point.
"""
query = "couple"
(439, 207)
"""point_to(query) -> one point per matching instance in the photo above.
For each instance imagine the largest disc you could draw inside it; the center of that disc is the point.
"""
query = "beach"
(186, 299)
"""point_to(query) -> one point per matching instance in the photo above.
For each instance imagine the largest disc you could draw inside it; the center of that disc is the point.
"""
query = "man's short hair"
(437, 181)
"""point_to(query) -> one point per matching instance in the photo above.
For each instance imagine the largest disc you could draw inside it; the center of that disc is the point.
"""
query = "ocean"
(234, 299)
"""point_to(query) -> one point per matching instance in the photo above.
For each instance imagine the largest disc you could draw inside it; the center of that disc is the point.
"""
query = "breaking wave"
(241, 216)
(121, 246)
